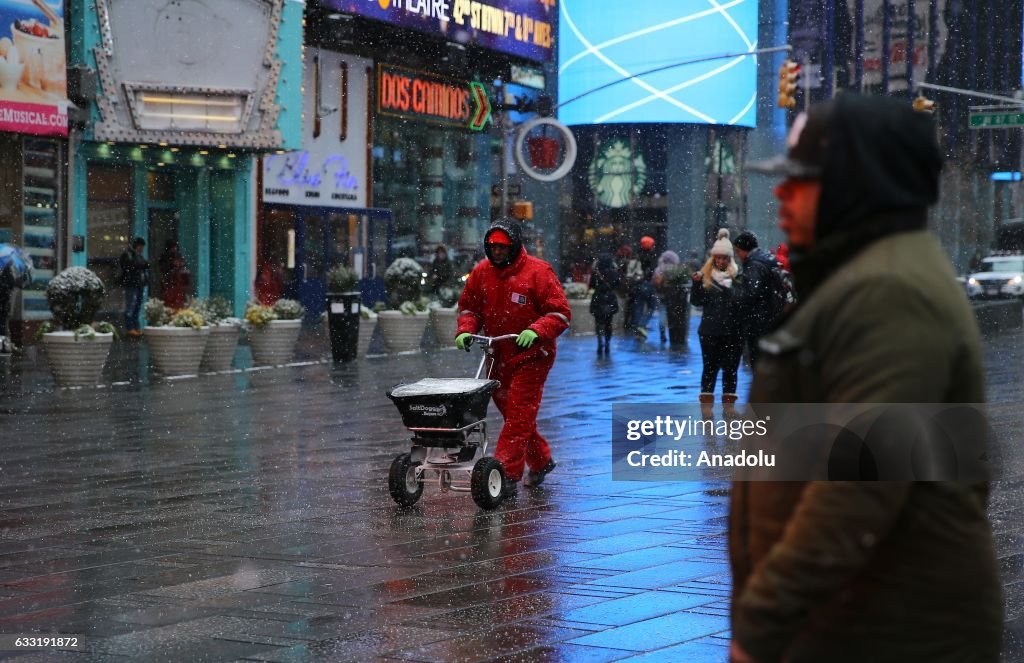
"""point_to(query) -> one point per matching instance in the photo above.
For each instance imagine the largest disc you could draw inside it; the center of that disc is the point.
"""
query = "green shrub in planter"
(448, 296)
(289, 309)
(214, 310)
(341, 279)
(402, 281)
(75, 296)
(156, 314)
(677, 277)
(421, 305)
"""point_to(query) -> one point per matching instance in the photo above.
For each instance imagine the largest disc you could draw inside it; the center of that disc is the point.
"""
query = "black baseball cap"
(808, 145)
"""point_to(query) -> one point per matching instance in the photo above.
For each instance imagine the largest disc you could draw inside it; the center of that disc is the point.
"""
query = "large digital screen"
(614, 46)
(518, 27)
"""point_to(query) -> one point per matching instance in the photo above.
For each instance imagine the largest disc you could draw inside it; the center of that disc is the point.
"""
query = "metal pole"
(828, 62)
(970, 93)
(858, 58)
(909, 45)
(806, 66)
(506, 148)
(933, 37)
(886, 38)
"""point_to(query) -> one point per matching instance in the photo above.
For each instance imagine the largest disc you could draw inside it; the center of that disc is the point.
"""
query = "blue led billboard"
(623, 39)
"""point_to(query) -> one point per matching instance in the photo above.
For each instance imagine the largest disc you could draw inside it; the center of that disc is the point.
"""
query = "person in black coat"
(442, 271)
(134, 270)
(604, 280)
(720, 331)
(754, 290)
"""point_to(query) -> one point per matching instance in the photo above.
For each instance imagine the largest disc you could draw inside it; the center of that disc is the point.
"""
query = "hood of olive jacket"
(880, 175)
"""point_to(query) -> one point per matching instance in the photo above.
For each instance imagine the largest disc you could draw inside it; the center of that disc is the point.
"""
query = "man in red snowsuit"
(514, 293)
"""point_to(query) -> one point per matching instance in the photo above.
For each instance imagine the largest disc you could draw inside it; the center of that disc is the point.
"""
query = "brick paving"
(245, 516)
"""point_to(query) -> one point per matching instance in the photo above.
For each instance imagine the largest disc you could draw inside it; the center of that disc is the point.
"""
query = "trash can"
(343, 321)
(677, 306)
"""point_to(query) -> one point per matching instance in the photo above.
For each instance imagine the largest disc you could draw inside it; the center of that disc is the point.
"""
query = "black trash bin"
(677, 305)
(343, 320)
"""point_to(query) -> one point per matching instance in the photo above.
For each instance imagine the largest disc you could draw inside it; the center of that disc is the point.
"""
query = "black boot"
(600, 346)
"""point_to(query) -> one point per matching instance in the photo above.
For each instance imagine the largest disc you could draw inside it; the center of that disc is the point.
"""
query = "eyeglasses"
(497, 246)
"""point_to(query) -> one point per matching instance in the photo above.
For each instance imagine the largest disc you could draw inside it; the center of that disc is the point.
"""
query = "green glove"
(526, 338)
(463, 341)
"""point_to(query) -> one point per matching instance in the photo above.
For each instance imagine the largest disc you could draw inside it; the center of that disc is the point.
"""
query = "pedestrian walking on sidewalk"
(604, 304)
(667, 263)
(623, 259)
(133, 274)
(720, 331)
(514, 293)
(760, 291)
(853, 571)
(643, 300)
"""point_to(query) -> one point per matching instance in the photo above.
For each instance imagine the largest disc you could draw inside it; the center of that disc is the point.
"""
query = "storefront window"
(110, 210)
(436, 181)
(41, 209)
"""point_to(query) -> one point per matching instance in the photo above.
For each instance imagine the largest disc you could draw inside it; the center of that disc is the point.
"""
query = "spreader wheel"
(405, 489)
(488, 483)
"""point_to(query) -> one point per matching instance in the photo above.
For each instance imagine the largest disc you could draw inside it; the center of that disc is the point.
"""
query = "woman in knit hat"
(720, 331)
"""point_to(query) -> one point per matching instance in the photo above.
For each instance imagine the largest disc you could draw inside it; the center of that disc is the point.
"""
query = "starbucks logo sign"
(617, 174)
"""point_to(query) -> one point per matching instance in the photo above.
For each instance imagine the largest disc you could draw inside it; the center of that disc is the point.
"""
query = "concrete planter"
(445, 322)
(274, 343)
(582, 322)
(77, 361)
(220, 348)
(402, 332)
(366, 328)
(176, 350)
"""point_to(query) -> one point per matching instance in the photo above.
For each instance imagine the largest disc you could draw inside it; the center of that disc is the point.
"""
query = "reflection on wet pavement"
(246, 516)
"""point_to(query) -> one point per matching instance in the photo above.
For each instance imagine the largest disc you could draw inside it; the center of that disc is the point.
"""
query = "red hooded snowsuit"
(524, 295)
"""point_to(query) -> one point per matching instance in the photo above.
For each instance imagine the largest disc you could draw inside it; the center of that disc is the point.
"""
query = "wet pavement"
(245, 516)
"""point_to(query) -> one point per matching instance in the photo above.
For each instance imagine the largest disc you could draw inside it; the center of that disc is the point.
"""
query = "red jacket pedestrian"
(177, 283)
(514, 293)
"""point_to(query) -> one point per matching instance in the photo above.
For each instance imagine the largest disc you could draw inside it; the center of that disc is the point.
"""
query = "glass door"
(163, 234)
(277, 259)
(311, 274)
(41, 210)
(110, 211)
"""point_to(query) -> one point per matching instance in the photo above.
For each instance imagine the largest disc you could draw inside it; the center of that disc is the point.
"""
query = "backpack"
(781, 293)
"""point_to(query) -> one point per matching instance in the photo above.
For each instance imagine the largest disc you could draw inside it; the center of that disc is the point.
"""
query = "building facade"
(401, 148)
(664, 128)
(171, 117)
(33, 148)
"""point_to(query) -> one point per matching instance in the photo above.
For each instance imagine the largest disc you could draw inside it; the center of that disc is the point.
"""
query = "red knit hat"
(499, 237)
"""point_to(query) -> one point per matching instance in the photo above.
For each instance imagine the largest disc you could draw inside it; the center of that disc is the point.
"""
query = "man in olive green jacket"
(865, 571)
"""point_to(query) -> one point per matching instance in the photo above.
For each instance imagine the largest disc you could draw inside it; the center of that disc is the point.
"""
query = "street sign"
(995, 120)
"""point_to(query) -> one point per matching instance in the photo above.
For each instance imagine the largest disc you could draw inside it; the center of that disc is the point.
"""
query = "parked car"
(1001, 276)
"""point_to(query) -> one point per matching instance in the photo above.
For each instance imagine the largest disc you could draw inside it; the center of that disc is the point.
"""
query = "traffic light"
(788, 73)
(923, 104)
